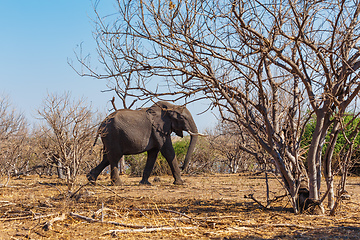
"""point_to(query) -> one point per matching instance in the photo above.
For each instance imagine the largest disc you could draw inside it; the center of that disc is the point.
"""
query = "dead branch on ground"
(81, 186)
(48, 225)
(107, 188)
(89, 219)
(161, 210)
(148, 230)
(103, 209)
(7, 181)
(27, 217)
(289, 225)
(251, 196)
(51, 185)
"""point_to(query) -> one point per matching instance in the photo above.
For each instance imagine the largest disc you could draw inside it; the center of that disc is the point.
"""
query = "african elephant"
(126, 132)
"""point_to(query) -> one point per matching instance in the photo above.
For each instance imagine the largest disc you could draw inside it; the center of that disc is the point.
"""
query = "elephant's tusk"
(197, 134)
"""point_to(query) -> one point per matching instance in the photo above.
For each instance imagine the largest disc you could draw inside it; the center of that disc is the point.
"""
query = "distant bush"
(341, 141)
(204, 159)
(136, 163)
(14, 144)
(310, 127)
(181, 147)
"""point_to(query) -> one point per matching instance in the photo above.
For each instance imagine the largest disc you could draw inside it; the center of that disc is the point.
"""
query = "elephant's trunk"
(193, 139)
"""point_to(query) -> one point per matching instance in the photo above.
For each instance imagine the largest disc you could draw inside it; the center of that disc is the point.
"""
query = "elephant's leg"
(152, 155)
(114, 168)
(94, 173)
(168, 152)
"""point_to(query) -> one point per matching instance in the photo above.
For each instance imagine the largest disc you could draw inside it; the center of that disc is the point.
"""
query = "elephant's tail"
(95, 140)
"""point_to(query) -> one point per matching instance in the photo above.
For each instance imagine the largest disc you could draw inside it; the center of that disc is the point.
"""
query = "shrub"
(340, 143)
(136, 163)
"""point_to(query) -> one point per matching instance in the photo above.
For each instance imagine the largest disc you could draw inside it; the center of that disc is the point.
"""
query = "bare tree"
(271, 64)
(13, 139)
(68, 132)
(236, 147)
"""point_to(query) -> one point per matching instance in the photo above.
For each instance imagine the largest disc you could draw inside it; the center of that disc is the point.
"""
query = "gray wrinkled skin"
(128, 132)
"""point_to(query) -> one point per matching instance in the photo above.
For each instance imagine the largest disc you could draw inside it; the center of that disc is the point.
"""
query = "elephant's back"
(131, 128)
(127, 118)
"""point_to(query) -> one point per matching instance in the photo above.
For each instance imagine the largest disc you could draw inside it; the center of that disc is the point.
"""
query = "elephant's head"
(177, 119)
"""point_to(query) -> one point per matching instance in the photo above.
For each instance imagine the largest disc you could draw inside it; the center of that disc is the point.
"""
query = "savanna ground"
(206, 207)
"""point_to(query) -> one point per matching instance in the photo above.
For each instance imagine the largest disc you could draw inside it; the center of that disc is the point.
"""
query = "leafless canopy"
(13, 133)
(268, 64)
(67, 133)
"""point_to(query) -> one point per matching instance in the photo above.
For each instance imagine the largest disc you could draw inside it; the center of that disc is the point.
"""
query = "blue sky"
(37, 38)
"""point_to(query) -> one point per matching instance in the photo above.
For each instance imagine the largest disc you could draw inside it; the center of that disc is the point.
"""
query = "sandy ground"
(206, 207)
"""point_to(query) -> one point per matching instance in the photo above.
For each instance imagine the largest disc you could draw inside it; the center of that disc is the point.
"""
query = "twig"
(163, 210)
(52, 185)
(141, 212)
(109, 190)
(7, 203)
(267, 188)
(15, 218)
(353, 203)
(192, 220)
(257, 173)
(207, 219)
(275, 199)
(113, 103)
(105, 209)
(7, 181)
(277, 225)
(27, 217)
(88, 219)
(148, 230)
(251, 196)
(336, 206)
(72, 195)
(49, 224)
(44, 216)
(102, 212)
(282, 184)
(285, 225)
(215, 217)
(348, 222)
(202, 219)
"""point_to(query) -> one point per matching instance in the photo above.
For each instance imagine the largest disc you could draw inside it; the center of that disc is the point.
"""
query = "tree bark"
(60, 170)
(312, 158)
(122, 166)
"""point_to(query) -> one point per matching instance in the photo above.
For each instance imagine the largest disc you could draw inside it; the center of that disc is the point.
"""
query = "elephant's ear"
(179, 133)
(158, 116)
(177, 120)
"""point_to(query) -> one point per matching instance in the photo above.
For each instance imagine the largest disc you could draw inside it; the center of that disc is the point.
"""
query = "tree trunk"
(60, 170)
(331, 194)
(122, 166)
(314, 162)
(312, 158)
(327, 165)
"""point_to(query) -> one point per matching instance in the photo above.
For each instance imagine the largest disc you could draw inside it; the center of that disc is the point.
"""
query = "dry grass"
(206, 207)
